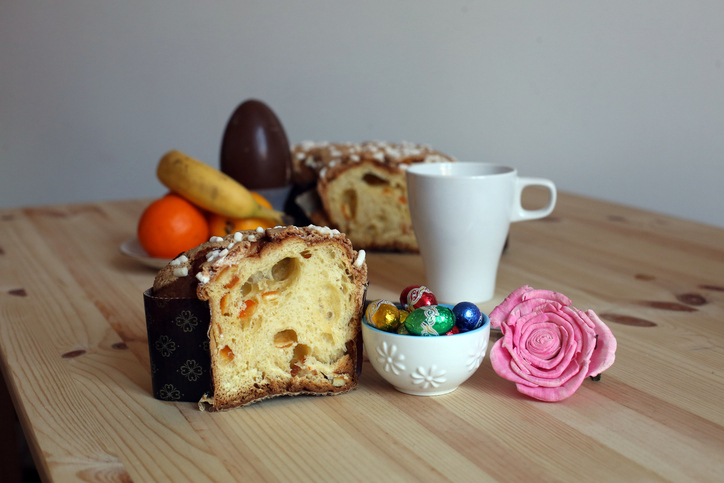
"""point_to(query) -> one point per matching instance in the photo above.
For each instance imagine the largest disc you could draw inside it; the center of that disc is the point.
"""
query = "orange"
(261, 200)
(222, 225)
(171, 225)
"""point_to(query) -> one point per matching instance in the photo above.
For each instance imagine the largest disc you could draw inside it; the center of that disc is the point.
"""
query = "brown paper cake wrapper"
(179, 347)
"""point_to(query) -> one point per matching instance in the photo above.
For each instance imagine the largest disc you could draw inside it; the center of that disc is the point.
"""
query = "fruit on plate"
(171, 225)
(222, 225)
(210, 189)
(261, 200)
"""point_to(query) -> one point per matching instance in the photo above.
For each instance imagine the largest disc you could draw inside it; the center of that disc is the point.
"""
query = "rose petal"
(547, 295)
(542, 341)
(569, 346)
(587, 332)
(605, 351)
(500, 313)
(500, 360)
(555, 394)
(523, 309)
(564, 373)
(508, 342)
(532, 306)
(529, 371)
(553, 352)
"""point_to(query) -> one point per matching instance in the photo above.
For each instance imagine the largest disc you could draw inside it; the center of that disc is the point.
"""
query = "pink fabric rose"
(548, 346)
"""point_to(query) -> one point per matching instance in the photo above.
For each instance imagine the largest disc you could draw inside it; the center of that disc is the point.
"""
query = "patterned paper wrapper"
(179, 347)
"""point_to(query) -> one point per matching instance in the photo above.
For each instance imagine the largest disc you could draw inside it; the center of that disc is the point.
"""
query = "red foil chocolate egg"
(403, 294)
(420, 297)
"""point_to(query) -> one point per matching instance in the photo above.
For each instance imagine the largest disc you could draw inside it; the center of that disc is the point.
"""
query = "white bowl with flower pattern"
(426, 365)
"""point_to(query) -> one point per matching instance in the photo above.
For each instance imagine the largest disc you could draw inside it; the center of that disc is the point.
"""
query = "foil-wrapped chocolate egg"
(467, 316)
(403, 294)
(383, 314)
(420, 297)
(453, 331)
(430, 320)
(403, 315)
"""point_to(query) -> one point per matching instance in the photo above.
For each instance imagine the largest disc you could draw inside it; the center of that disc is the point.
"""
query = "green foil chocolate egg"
(383, 314)
(430, 320)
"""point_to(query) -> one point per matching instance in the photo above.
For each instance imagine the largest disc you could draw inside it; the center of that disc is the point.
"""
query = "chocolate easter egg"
(430, 320)
(383, 314)
(255, 150)
(420, 296)
(467, 316)
(403, 294)
(403, 315)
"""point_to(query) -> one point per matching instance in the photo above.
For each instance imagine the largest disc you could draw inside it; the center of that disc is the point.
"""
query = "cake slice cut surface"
(286, 307)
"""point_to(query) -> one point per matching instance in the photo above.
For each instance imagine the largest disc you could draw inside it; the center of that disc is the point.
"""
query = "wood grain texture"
(75, 358)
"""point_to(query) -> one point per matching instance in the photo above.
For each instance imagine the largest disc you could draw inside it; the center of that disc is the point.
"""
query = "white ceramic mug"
(461, 213)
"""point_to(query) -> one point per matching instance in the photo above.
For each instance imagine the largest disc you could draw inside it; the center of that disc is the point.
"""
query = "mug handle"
(521, 214)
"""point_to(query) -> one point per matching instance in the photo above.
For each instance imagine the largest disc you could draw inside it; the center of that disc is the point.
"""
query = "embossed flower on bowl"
(388, 356)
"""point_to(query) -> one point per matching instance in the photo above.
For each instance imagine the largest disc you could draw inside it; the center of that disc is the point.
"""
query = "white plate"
(133, 249)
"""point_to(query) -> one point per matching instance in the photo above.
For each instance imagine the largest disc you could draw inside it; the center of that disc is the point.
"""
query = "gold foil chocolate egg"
(403, 315)
(383, 315)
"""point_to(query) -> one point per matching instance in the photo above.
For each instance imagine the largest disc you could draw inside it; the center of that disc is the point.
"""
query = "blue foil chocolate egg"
(467, 316)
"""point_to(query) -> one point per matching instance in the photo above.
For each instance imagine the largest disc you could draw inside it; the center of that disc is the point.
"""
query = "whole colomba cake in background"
(285, 308)
(362, 188)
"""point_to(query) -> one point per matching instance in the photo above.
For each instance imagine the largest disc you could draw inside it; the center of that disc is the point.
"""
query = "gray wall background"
(618, 100)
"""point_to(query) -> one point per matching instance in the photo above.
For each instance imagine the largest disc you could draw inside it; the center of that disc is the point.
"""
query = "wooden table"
(75, 358)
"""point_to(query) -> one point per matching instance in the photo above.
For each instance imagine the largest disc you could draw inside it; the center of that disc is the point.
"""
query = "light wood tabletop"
(74, 355)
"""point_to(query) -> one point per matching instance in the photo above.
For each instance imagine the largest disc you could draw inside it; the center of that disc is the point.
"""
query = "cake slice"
(286, 306)
(363, 189)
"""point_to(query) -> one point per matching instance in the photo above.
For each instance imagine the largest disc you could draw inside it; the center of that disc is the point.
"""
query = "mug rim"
(437, 170)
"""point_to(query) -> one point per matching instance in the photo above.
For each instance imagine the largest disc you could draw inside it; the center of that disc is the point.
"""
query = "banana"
(209, 188)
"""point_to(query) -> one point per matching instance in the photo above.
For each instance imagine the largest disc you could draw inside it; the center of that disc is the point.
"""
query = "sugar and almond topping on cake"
(321, 155)
(181, 263)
